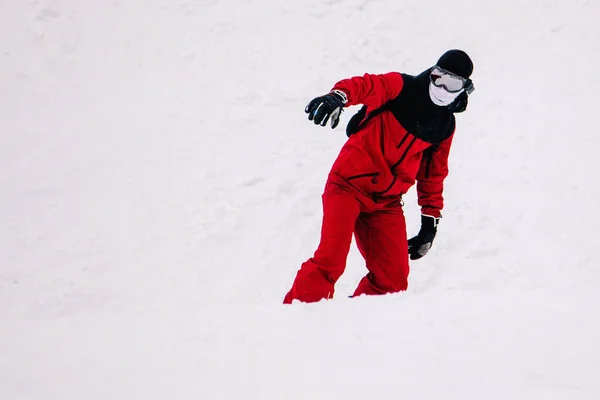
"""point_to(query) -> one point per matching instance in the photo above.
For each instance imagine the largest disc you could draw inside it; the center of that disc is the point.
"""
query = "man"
(402, 135)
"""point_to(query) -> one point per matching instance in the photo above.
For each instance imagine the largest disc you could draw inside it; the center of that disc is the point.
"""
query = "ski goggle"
(452, 83)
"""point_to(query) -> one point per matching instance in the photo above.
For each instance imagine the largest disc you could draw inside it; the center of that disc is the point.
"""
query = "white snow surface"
(160, 186)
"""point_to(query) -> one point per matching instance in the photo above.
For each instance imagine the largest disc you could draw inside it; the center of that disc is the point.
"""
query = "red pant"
(380, 232)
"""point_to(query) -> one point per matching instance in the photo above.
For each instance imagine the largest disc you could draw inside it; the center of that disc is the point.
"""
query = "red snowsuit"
(363, 196)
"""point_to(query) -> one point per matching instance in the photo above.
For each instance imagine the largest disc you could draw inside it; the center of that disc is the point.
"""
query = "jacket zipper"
(404, 154)
(402, 141)
(396, 165)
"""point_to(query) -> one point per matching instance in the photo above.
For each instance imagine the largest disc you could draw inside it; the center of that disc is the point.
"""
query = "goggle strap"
(469, 86)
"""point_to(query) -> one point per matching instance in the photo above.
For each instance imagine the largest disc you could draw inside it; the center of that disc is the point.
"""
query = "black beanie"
(457, 62)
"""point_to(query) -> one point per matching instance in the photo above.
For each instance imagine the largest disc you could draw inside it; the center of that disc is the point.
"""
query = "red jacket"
(383, 159)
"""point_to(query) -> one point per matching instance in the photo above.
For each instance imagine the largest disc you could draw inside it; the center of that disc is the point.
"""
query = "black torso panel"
(417, 114)
(414, 110)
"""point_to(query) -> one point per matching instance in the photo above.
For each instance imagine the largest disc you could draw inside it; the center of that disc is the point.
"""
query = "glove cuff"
(429, 222)
(341, 95)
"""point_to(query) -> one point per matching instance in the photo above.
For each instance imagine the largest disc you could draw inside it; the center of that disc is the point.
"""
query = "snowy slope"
(160, 185)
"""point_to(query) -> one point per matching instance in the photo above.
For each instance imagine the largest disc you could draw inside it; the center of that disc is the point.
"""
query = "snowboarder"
(402, 135)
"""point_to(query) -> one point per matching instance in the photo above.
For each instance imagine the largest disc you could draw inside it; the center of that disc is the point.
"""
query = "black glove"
(321, 109)
(419, 245)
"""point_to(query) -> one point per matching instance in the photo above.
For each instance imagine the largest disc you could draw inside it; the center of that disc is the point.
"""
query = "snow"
(160, 186)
